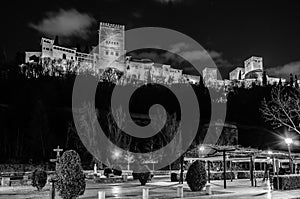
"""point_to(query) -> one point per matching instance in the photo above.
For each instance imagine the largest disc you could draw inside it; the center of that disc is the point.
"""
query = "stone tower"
(111, 46)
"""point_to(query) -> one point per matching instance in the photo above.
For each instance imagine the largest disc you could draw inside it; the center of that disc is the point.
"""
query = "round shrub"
(70, 177)
(107, 171)
(196, 176)
(117, 171)
(144, 177)
(39, 179)
(174, 177)
(135, 176)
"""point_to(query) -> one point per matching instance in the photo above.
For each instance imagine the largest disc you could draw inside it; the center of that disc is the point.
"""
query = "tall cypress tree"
(280, 82)
(296, 82)
(291, 80)
(264, 78)
(56, 41)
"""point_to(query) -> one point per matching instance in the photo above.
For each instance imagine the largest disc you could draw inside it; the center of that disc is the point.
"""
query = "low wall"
(24, 167)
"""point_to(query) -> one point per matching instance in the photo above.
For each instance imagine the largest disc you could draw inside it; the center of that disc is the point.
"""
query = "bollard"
(5, 181)
(180, 191)
(208, 189)
(145, 193)
(101, 195)
(124, 177)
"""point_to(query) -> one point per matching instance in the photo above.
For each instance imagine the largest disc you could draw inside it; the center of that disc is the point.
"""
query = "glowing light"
(201, 148)
(288, 141)
(116, 154)
(270, 152)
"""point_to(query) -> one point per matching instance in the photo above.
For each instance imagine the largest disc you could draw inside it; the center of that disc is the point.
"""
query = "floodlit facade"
(111, 53)
(111, 46)
(237, 74)
(209, 75)
(253, 64)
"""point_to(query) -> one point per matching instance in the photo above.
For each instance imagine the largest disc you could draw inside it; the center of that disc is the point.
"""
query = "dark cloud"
(169, 1)
(285, 70)
(178, 54)
(65, 23)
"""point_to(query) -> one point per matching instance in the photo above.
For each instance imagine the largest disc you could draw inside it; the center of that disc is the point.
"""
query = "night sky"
(232, 30)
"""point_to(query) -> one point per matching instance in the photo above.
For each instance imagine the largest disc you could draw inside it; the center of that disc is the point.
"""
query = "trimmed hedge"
(220, 176)
(243, 175)
(117, 171)
(239, 175)
(196, 176)
(287, 182)
(107, 171)
(70, 177)
(246, 174)
(39, 178)
(175, 176)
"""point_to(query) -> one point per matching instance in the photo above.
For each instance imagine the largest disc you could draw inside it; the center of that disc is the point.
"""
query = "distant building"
(209, 75)
(111, 46)
(111, 53)
(32, 56)
(237, 74)
(253, 64)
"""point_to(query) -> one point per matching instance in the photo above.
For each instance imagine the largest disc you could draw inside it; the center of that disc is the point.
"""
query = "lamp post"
(289, 141)
(275, 169)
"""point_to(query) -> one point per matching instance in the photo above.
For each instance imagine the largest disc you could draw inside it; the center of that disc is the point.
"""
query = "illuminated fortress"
(111, 54)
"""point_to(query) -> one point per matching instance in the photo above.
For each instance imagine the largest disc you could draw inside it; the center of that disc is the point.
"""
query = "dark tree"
(3, 56)
(87, 49)
(240, 75)
(280, 82)
(291, 80)
(264, 78)
(56, 41)
(78, 47)
(283, 108)
(296, 82)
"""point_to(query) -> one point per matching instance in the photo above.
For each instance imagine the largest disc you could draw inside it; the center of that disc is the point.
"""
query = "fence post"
(208, 189)
(101, 195)
(180, 191)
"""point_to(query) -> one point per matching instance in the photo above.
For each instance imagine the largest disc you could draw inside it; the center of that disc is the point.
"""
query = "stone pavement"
(160, 188)
(163, 189)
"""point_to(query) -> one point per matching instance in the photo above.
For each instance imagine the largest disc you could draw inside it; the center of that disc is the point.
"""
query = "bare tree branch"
(283, 109)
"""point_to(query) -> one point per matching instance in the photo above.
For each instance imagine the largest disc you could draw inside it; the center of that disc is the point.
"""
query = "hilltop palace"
(110, 53)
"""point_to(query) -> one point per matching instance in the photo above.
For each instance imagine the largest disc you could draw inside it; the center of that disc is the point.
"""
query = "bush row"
(287, 182)
(219, 175)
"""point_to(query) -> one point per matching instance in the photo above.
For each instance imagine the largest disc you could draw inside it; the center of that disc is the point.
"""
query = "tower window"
(64, 56)
(106, 52)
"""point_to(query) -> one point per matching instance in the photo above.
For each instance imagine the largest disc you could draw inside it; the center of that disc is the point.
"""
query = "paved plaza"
(159, 188)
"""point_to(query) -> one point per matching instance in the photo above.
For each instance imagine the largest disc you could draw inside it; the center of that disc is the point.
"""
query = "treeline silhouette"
(36, 115)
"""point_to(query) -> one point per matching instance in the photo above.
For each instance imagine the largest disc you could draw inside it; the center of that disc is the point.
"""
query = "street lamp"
(201, 148)
(116, 154)
(289, 141)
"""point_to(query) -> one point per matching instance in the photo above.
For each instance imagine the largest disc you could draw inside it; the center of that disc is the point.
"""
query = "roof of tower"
(110, 25)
